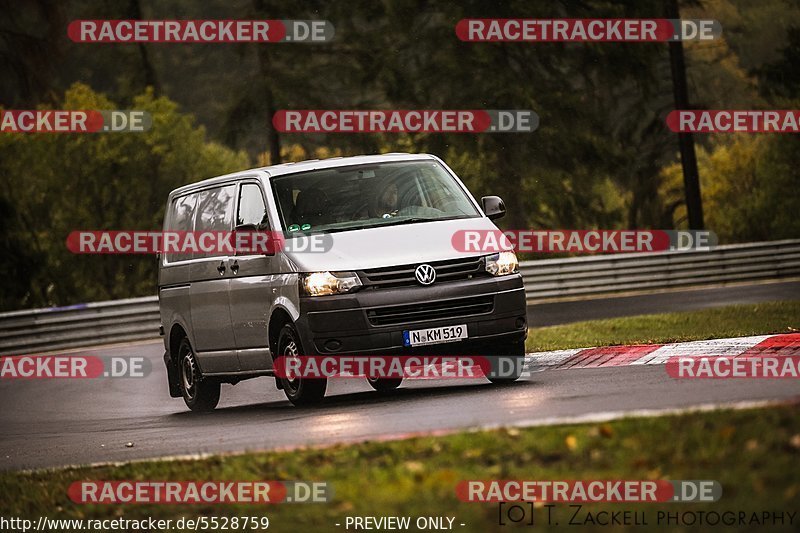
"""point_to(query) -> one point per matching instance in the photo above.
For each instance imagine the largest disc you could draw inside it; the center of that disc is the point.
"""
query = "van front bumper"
(372, 321)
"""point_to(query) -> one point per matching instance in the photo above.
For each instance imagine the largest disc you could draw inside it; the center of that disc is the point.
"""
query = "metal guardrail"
(80, 325)
(590, 276)
(545, 280)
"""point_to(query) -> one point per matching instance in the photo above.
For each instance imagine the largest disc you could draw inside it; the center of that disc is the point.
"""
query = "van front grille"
(458, 307)
(403, 276)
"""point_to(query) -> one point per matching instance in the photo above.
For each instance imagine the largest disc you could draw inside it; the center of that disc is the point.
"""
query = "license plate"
(421, 337)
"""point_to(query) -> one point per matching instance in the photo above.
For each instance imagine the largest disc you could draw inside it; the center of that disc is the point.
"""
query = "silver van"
(390, 277)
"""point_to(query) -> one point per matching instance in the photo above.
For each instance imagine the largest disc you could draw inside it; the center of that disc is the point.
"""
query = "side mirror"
(493, 206)
(252, 228)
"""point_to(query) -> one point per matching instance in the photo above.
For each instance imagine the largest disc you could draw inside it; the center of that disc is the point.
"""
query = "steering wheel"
(415, 210)
(446, 206)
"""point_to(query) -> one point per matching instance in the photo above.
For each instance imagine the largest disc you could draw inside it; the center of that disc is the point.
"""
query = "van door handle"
(235, 267)
(221, 268)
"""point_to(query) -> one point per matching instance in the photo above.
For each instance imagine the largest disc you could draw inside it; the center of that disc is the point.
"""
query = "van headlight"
(502, 264)
(324, 283)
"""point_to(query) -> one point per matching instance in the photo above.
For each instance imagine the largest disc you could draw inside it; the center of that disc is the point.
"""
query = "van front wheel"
(199, 393)
(299, 390)
(506, 363)
(384, 384)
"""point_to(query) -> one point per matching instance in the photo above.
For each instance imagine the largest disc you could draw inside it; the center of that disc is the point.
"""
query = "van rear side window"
(214, 212)
(208, 210)
(181, 219)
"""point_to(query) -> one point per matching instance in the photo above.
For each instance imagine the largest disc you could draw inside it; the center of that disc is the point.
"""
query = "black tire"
(199, 393)
(506, 363)
(384, 384)
(300, 391)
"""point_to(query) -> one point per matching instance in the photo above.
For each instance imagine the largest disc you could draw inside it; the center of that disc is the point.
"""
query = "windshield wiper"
(305, 233)
(414, 220)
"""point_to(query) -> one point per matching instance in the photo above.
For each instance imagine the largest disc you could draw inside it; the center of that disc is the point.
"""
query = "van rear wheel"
(299, 390)
(199, 393)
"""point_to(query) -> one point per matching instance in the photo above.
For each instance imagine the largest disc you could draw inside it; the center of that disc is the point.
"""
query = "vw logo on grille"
(425, 274)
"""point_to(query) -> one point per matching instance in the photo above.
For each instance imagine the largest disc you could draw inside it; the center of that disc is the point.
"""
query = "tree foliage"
(58, 183)
(749, 187)
(601, 158)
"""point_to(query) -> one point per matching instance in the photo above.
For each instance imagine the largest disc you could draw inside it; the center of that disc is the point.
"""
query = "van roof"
(303, 166)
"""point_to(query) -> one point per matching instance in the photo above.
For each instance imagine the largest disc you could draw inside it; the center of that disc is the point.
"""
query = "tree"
(749, 182)
(64, 182)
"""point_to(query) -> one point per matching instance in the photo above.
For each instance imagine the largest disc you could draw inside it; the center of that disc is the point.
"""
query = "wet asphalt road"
(45, 423)
(58, 422)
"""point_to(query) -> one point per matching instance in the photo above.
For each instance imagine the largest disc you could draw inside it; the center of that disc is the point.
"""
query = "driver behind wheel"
(385, 203)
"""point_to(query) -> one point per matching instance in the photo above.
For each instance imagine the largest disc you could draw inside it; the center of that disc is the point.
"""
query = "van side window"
(251, 207)
(181, 218)
(215, 212)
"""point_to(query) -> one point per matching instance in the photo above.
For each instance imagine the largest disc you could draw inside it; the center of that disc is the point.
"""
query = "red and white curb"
(658, 354)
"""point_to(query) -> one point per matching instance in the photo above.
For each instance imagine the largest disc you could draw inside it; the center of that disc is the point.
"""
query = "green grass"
(721, 322)
(754, 454)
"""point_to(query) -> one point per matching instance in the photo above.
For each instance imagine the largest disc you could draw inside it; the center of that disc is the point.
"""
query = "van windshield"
(364, 196)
